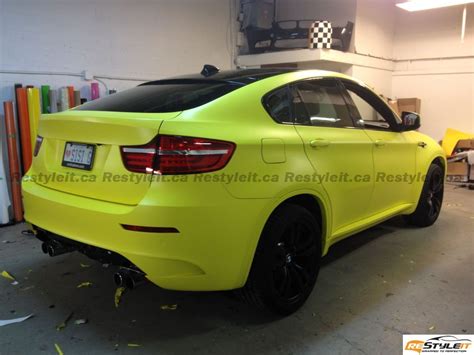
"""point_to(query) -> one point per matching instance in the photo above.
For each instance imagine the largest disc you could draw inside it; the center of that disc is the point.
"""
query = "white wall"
(441, 69)
(433, 33)
(141, 38)
(379, 80)
(374, 29)
(373, 35)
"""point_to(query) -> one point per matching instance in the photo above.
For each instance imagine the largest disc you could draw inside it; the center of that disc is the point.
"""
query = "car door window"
(368, 109)
(277, 104)
(320, 103)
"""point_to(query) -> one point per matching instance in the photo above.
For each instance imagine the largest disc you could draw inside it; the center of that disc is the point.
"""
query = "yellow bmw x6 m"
(229, 180)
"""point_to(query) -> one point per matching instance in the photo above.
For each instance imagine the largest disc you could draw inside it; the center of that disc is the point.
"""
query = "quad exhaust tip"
(128, 278)
(55, 249)
(125, 277)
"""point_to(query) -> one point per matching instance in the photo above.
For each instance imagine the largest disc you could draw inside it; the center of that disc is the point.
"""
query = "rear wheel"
(286, 262)
(431, 199)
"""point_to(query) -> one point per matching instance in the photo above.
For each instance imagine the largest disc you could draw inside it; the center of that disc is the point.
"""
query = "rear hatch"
(105, 132)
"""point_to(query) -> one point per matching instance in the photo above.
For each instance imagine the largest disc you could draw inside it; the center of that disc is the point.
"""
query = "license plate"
(79, 155)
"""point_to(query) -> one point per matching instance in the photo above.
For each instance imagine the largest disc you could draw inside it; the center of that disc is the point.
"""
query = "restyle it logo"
(438, 344)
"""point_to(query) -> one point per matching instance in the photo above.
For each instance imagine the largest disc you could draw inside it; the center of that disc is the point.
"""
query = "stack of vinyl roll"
(31, 102)
(13, 161)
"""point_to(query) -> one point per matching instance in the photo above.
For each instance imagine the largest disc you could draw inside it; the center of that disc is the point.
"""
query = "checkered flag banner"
(320, 34)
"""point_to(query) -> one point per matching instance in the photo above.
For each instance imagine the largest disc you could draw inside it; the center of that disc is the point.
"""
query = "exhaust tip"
(119, 279)
(128, 279)
(51, 250)
(55, 249)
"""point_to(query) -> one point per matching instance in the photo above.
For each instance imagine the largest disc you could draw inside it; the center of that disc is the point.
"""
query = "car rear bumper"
(212, 251)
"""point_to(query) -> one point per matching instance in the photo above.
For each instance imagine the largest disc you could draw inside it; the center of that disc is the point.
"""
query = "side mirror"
(410, 121)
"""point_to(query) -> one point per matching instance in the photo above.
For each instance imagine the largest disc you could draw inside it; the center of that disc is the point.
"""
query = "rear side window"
(277, 104)
(155, 98)
(320, 103)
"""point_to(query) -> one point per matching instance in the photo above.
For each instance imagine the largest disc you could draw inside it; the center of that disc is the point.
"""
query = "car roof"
(243, 76)
(239, 76)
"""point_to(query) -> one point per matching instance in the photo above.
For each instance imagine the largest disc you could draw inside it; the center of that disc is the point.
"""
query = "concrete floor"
(373, 288)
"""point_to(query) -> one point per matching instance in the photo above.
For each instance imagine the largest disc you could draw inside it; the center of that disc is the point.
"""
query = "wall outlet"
(87, 75)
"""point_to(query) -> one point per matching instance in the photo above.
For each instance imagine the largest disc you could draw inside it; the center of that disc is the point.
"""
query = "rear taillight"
(187, 155)
(172, 155)
(140, 158)
(39, 142)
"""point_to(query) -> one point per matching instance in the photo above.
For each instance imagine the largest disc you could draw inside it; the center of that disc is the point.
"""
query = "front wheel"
(287, 261)
(431, 199)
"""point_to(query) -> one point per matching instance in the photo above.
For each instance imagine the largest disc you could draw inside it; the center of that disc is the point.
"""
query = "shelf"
(314, 55)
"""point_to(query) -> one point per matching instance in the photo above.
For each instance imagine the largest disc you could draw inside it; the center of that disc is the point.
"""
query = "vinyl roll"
(70, 95)
(95, 94)
(34, 111)
(53, 101)
(24, 128)
(20, 143)
(63, 99)
(77, 98)
(14, 163)
(45, 98)
(17, 86)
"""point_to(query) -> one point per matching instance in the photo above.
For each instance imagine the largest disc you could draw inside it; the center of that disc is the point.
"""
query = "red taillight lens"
(188, 155)
(39, 142)
(140, 158)
(172, 155)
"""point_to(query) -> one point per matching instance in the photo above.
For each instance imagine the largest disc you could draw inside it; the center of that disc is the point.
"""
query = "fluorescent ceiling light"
(418, 5)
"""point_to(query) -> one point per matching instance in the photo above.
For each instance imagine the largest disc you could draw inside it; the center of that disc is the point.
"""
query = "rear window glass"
(278, 105)
(155, 98)
(323, 104)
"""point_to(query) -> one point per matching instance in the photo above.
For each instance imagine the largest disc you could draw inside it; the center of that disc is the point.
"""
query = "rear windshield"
(162, 97)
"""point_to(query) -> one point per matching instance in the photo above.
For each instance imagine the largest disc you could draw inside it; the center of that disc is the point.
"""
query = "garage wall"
(144, 39)
(434, 65)
(374, 28)
(374, 36)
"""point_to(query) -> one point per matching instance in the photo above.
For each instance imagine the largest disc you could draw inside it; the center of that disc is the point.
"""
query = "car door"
(340, 154)
(394, 154)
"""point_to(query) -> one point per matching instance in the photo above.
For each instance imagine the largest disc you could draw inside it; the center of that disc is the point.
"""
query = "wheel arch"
(310, 200)
(441, 161)
(313, 205)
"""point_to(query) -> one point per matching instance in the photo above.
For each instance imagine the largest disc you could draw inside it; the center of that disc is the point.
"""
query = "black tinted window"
(277, 104)
(320, 103)
(161, 97)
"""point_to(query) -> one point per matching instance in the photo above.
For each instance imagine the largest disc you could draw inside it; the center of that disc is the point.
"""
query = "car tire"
(431, 199)
(286, 263)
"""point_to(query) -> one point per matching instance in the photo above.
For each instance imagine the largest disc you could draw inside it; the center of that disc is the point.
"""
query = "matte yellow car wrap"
(219, 216)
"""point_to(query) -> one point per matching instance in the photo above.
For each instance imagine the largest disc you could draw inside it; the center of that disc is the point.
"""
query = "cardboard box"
(409, 105)
(465, 144)
(458, 171)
